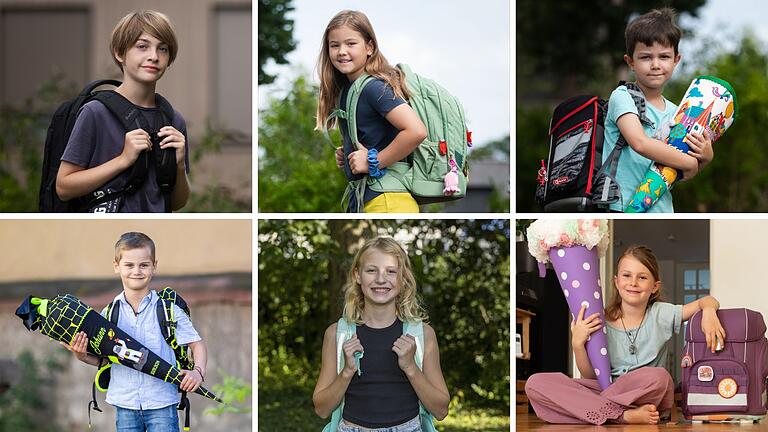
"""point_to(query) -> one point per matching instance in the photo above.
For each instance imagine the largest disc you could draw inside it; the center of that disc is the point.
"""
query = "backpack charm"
(469, 138)
(443, 148)
(686, 362)
(451, 179)
(541, 176)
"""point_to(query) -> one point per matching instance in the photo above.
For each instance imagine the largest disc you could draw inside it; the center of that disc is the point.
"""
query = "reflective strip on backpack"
(715, 400)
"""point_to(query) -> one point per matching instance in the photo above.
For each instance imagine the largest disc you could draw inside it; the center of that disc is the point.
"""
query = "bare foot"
(645, 414)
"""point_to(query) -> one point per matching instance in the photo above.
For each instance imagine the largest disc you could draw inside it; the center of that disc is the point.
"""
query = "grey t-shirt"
(661, 321)
(98, 137)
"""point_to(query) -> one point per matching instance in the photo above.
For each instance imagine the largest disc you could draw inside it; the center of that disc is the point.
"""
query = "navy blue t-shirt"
(373, 130)
(99, 137)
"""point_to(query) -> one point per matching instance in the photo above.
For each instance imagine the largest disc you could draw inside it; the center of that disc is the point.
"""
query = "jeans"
(413, 425)
(151, 420)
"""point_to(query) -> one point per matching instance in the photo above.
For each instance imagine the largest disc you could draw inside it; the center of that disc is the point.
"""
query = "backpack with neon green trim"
(422, 173)
(166, 318)
(344, 330)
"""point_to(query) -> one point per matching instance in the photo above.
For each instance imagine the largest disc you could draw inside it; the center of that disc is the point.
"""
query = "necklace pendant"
(632, 349)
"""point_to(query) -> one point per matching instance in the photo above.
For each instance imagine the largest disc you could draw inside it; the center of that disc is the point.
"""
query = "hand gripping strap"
(344, 331)
(416, 329)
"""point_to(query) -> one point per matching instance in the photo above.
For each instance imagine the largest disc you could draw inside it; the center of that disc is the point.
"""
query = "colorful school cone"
(574, 247)
(709, 106)
(62, 317)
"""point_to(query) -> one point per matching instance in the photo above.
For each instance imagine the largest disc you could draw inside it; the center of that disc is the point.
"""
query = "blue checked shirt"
(131, 389)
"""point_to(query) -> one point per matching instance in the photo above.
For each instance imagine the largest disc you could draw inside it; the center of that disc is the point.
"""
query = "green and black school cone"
(62, 317)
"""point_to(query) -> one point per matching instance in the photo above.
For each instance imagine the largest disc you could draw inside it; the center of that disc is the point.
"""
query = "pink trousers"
(557, 398)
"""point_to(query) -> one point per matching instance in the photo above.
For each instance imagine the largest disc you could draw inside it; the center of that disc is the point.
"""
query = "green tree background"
(462, 268)
(275, 35)
(734, 182)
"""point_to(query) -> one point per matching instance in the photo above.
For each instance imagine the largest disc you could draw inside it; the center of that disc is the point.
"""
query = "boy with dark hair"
(143, 402)
(652, 54)
(100, 152)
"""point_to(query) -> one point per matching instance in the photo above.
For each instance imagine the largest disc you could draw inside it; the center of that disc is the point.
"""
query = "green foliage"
(496, 149)
(235, 393)
(22, 139)
(580, 43)
(285, 391)
(476, 420)
(25, 406)
(275, 35)
(531, 147)
(297, 168)
(462, 269)
(213, 198)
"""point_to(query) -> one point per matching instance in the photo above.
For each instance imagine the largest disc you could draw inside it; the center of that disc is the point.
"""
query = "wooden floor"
(529, 422)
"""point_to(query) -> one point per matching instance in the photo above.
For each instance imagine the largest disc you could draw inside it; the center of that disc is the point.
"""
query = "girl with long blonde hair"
(388, 129)
(380, 376)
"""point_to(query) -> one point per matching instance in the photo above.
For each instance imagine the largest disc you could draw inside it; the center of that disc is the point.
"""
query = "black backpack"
(574, 179)
(167, 321)
(60, 129)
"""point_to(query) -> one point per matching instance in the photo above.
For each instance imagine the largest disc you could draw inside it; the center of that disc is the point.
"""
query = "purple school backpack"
(730, 381)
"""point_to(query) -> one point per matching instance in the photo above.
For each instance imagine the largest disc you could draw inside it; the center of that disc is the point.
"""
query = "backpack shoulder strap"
(353, 96)
(344, 330)
(165, 108)
(612, 161)
(112, 312)
(416, 329)
(165, 159)
(125, 111)
(639, 99)
(166, 320)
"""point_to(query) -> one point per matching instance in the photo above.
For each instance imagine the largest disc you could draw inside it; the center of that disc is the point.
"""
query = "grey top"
(98, 137)
(661, 320)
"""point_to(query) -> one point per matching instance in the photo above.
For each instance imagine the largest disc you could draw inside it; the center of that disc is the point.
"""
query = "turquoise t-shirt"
(661, 320)
(632, 165)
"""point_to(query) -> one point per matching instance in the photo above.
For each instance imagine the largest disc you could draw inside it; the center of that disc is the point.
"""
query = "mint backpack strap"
(337, 113)
(344, 331)
(416, 329)
(353, 96)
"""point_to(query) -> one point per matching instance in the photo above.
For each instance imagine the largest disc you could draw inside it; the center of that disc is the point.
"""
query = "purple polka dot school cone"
(574, 248)
(577, 270)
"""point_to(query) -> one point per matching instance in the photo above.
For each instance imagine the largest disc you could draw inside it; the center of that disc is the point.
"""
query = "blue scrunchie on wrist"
(373, 165)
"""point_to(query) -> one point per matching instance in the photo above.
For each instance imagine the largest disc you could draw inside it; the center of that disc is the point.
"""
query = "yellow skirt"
(392, 202)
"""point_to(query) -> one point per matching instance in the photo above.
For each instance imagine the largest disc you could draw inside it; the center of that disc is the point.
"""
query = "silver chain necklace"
(632, 346)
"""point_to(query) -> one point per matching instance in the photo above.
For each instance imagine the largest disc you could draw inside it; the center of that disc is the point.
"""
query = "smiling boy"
(145, 403)
(651, 41)
(100, 152)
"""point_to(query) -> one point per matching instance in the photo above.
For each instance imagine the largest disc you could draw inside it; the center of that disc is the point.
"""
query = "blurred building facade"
(207, 261)
(210, 82)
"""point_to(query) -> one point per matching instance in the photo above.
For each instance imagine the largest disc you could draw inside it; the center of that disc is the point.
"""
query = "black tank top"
(382, 396)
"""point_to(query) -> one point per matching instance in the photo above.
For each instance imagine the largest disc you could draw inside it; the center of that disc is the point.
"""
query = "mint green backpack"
(423, 172)
(344, 331)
